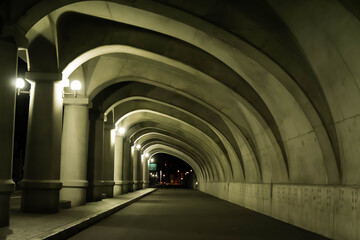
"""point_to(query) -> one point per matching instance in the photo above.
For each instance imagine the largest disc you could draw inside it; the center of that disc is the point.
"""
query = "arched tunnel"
(260, 98)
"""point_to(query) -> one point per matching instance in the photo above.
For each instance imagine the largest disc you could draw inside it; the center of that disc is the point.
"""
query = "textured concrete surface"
(247, 92)
(190, 214)
(329, 210)
(66, 222)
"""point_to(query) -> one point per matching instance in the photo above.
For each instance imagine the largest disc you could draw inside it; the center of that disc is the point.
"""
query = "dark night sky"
(172, 163)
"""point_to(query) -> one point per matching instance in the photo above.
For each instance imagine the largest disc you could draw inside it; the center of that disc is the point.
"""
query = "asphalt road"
(188, 214)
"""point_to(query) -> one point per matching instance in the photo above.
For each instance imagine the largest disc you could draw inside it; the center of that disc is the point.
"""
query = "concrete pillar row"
(8, 71)
(41, 183)
(95, 156)
(145, 163)
(136, 160)
(127, 166)
(140, 171)
(118, 165)
(74, 151)
(108, 161)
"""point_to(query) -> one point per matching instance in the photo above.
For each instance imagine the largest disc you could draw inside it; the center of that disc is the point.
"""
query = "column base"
(118, 188)
(131, 186)
(6, 188)
(146, 184)
(137, 185)
(74, 191)
(95, 191)
(108, 188)
(40, 196)
(127, 186)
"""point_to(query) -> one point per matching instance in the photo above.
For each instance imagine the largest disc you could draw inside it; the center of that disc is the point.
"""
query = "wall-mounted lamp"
(121, 131)
(138, 146)
(20, 84)
(146, 155)
(75, 85)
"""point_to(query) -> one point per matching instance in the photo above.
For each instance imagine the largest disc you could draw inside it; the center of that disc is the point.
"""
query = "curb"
(73, 228)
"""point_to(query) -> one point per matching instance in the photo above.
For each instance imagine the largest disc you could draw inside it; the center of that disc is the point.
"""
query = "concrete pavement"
(188, 214)
(65, 223)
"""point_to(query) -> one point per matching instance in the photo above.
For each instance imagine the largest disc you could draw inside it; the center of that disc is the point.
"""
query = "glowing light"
(163, 175)
(75, 85)
(178, 170)
(190, 170)
(121, 130)
(196, 183)
(20, 83)
(181, 178)
(151, 160)
(146, 155)
(138, 146)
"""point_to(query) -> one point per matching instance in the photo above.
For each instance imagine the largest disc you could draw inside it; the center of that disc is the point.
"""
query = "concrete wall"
(329, 210)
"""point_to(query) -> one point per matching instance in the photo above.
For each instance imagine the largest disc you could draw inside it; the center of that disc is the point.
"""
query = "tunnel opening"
(167, 171)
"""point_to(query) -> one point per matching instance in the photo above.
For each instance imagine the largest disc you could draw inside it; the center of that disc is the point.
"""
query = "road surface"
(172, 214)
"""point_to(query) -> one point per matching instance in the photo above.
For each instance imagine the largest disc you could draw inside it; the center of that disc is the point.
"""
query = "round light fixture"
(20, 83)
(121, 130)
(138, 146)
(75, 85)
(146, 155)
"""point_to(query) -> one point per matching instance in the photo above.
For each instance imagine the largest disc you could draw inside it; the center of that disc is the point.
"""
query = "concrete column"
(127, 167)
(74, 150)
(41, 183)
(135, 155)
(118, 165)
(145, 172)
(8, 70)
(96, 156)
(108, 161)
(140, 170)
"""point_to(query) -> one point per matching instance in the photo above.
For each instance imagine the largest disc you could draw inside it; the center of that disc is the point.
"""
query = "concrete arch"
(135, 92)
(149, 135)
(125, 105)
(200, 171)
(229, 102)
(311, 156)
(279, 80)
(328, 163)
(209, 148)
(336, 71)
(250, 165)
(157, 148)
(200, 153)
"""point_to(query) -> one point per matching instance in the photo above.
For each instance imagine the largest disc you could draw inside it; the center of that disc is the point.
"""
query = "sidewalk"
(68, 221)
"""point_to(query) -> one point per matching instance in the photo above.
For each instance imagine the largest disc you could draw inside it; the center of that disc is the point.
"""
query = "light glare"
(75, 85)
(138, 146)
(146, 155)
(121, 130)
(20, 83)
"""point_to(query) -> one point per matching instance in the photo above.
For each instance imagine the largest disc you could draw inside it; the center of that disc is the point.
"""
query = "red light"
(165, 164)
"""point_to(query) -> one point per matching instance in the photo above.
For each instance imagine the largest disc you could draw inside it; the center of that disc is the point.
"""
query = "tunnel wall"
(329, 210)
(191, 181)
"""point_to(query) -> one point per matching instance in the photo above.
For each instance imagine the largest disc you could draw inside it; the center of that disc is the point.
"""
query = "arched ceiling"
(242, 82)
